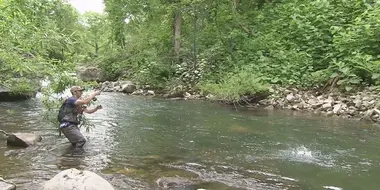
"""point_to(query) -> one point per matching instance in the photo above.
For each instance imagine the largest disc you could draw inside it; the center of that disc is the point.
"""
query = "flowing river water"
(138, 140)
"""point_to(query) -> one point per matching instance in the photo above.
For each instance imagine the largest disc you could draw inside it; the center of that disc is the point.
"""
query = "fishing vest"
(68, 113)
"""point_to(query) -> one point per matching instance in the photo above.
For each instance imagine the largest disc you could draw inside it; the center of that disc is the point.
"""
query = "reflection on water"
(139, 141)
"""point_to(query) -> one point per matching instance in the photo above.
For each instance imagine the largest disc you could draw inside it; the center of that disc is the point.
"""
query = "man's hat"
(76, 88)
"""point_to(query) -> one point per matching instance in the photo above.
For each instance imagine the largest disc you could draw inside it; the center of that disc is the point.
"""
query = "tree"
(97, 34)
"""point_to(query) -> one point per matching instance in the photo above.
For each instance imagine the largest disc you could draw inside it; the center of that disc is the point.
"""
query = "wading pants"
(73, 134)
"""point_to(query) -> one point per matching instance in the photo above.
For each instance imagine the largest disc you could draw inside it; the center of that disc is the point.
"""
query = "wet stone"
(23, 139)
(75, 179)
(5, 185)
(173, 182)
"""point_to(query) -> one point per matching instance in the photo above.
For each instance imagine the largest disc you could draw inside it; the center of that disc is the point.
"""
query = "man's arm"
(88, 99)
(92, 110)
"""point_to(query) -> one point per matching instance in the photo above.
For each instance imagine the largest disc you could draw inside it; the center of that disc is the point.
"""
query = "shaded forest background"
(228, 48)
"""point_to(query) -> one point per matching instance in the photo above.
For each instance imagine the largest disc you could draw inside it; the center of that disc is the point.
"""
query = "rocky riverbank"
(359, 105)
(146, 90)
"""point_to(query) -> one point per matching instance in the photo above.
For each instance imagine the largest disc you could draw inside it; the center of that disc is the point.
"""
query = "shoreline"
(360, 105)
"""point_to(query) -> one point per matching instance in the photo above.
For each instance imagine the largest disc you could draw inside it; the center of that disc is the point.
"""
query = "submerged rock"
(23, 139)
(5, 185)
(173, 182)
(80, 180)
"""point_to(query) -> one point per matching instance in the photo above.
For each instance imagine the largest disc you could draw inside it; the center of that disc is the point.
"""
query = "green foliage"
(291, 43)
(228, 48)
(41, 40)
(29, 33)
(235, 85)
(96, 36)
(112, 65)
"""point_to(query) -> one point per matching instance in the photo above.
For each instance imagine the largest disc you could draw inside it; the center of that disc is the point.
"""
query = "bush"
(112, 65)
(234, 85)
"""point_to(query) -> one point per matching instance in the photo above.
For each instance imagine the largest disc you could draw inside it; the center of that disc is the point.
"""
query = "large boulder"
(141, 92)
(80, 180)
(6, 95)
(90, 74)
(128, 88)
(177, 92)
(125, 86)
(5, 185)
(23, 139)
(118, 86)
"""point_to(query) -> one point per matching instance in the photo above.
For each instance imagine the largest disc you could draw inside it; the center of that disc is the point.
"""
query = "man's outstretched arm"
(92, 110)
(88, 99)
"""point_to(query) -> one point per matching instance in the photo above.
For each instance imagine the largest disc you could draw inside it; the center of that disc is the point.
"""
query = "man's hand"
(92, 110)
(97, 92)
(88, 99)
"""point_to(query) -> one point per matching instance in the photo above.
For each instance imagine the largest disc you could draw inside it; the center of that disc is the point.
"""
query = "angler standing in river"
(70, 112)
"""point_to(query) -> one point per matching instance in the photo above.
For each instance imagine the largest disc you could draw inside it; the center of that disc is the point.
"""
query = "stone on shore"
(107, 86)
(6, 95)
(6, 185)
(92, 73)
(80, 180)
(345, 104)
(23, 139)
(359, 104)
(119, 86)
(127, 87)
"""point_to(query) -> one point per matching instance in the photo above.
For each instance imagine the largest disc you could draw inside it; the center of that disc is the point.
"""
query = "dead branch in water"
(5, 133)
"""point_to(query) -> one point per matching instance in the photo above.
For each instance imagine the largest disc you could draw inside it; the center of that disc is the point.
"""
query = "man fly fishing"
(70, 113)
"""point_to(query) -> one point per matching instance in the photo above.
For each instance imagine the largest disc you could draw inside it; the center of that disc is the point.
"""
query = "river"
(137, 140)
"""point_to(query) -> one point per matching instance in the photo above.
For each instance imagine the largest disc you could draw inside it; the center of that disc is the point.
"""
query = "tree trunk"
(177, 33)
(96, 48)
(195, 41)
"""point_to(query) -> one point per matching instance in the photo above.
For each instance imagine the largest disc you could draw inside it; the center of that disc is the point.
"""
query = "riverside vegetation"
(321, 56)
